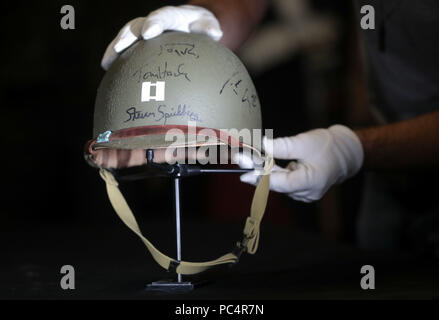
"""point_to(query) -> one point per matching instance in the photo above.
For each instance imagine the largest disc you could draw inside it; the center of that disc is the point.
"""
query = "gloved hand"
(184, 18)
(322, 158)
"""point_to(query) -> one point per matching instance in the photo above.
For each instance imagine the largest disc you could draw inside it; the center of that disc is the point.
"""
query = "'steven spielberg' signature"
(163, 113)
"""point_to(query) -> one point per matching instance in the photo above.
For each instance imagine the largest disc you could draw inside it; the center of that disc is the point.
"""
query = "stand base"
(170, 287)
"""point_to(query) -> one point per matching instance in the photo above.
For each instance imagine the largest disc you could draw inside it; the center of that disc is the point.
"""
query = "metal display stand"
(176, 172)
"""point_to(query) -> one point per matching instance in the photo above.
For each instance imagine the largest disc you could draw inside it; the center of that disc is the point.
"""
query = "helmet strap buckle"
(241, 247)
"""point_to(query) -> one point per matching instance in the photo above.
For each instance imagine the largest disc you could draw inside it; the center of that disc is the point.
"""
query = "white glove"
(185, 18)
(323, 157)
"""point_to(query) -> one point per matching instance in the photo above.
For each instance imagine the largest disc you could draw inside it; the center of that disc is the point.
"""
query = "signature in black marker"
(181, 49)
(161, 73)
(235, 84)
(163, 113)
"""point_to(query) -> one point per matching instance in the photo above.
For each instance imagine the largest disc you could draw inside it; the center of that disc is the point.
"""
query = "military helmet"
(165, 83)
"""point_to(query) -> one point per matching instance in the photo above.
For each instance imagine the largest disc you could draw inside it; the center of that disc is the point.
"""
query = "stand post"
(177, 220)
(172, 286)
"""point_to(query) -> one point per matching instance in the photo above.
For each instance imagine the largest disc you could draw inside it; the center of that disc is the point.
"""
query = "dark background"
(54, 207)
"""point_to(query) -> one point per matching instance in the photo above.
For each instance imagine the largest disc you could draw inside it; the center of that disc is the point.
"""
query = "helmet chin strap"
(250, 235)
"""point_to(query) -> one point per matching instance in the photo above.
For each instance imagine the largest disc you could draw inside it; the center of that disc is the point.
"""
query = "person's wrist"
(349, 148)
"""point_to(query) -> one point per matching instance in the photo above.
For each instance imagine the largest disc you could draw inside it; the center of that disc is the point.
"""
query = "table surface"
(111, 263)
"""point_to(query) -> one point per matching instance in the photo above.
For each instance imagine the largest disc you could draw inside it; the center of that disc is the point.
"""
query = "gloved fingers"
(250, 178)
(288, 181)
(299, 194)
(166, 18)
(304, 196)
(170, 18)
(253, 177)
(151, 29)
(301, 184)
(110, 55)
(243, 160)
(300, 198)
(126, 37)
(209, 26)
(293, 165)
(247, 159)
(283, 148)
(184, 18)
(129, 34)
(295, 183)
(195, 13)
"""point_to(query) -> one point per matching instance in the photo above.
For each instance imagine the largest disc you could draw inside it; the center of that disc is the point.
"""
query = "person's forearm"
(237, 18)
(402, 145)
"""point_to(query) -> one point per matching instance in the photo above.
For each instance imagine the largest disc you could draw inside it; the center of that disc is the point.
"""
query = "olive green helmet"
(166, 83)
